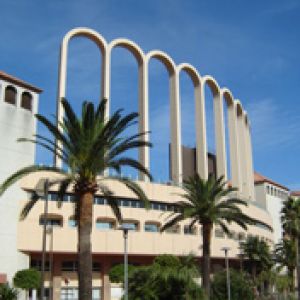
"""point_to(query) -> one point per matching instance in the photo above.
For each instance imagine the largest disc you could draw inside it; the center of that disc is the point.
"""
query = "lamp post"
(50, 232)
(125, 228)
(226, 249)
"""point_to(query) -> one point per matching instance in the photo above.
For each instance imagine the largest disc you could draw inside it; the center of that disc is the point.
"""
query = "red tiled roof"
(295, 193)
(19, 82)
(258, 178)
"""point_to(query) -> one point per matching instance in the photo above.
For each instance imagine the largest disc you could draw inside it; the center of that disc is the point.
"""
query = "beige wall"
(140, 242)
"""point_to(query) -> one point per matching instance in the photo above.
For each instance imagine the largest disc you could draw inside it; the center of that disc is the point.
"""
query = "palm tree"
(290, 218)
(87, 145)
(209, 202)
(258, 253)
(285, 256)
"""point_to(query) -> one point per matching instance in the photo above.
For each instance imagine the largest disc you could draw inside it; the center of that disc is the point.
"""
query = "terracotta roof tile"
(258, 178)
(19, 82)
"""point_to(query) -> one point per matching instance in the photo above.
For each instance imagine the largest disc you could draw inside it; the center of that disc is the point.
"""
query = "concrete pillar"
(105, 290)
(249, 161)
(201, 140)
(242, 156)
(233, 145)
(220, 136)
(175, 122)
(144, 158)
(56, 279)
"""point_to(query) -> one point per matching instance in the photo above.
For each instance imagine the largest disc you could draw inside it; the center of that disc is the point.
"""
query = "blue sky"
(252, 47)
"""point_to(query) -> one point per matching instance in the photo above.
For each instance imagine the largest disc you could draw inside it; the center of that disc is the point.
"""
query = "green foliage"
(116, 273)
(240, 286)
(27, 279)
(167, 278)
(7, 292)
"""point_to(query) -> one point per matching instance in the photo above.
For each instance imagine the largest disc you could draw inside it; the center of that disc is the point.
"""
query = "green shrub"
(7, 292)
(116, 273)
(27, 279)
(240, 286)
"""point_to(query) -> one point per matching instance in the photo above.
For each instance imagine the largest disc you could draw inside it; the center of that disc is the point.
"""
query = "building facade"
(145, 241)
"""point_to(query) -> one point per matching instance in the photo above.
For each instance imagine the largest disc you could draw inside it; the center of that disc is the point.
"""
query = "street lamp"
(125, 228)
(50, 232)
(226, 249)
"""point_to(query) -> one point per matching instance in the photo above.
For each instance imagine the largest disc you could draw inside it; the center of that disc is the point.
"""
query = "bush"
(240, 286)
(27, 279)
(7, 292)
(116, 273)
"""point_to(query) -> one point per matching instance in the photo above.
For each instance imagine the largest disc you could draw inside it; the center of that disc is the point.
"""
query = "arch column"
(201, 139)
(242, 154)
(249, 161)
(234, 149)
(176, 153)
(144, 116)
(220, 136)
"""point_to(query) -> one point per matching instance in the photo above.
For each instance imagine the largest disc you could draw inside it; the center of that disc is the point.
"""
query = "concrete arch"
(164, 58)
(175, 120)
(219, 124)
(234, 153)
(132, 47)
(102, 45)
(200, 118)
(143, 94)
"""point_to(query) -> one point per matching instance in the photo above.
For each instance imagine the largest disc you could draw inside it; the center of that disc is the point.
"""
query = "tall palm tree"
(88, 145)
(290, 218)
(258, 253)
(285, 256)
(209, 202)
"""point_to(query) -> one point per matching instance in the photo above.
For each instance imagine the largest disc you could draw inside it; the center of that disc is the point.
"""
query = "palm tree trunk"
(292, 279)
(207, 228)
(298, 266)
(85, 218)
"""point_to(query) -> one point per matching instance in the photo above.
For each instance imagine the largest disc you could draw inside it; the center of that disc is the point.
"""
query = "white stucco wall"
(15, 122)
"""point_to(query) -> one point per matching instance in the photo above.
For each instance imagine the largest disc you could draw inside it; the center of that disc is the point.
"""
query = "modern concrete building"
(270, 195)
(145, 241)
(18, 104)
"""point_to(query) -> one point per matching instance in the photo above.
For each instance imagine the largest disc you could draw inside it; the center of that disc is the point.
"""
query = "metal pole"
(125, 264)
(227, 274)
(46, 189)
(51, 264)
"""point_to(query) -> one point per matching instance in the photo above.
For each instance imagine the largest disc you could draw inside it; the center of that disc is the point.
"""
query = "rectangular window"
(69, 266)
(151, 227)
(104, 225)
(188, 230)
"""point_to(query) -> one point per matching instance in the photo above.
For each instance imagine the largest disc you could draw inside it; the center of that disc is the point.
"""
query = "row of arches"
(11, 97)
(238, 124)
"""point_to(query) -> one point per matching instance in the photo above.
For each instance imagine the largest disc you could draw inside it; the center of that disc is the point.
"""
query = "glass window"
(51, 220)
(72, 223)
(131, 225)
(10, 95)
(155, 206)
(96, 267)
(37, 264)
(26, 101)
(69, 266)
(151, 227)
(105, 224)
(125, 203)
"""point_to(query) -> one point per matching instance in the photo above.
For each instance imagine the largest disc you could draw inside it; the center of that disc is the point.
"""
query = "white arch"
(102, 44)
(233, 137)
(200, 119)
(143, 93)
(175, 120)
(219, 124)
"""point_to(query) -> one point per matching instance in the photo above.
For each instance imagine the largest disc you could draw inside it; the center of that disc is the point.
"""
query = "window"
(69, 266)
(173, 229)
(96, 267)
(105, 224)
(72, 222)
(37, 264)
(188, 230)
(53, 220)
(219, 233)
(155, 206)
(151, 227)
(131, 225)
(100, 200)
(10, 95)
(26, 101)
